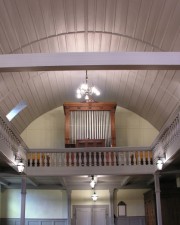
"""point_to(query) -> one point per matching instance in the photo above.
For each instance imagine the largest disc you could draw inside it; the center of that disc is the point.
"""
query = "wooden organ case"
(90, 124)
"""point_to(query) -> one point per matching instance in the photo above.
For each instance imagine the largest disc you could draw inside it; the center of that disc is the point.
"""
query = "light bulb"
(94, 197)
(92, 183)
(20, 166)
(86, 97)
(159, 164)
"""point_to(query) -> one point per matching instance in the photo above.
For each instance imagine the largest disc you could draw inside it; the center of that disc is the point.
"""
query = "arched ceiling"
(51, 26)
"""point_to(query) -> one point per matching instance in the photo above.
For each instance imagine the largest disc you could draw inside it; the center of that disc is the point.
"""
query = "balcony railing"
(88, 157)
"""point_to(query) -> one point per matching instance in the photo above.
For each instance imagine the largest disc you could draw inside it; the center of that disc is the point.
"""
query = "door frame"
(74, 207)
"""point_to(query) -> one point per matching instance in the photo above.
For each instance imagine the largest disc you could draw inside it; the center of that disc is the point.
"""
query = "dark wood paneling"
(170, 207)
(150, 208)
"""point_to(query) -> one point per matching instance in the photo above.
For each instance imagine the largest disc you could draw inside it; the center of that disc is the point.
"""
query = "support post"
(69, 206)
(0, 202)
(111, 191)
(158, 199)
(23, 200)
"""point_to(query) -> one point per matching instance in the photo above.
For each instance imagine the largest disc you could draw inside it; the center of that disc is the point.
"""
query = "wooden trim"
(84, 106)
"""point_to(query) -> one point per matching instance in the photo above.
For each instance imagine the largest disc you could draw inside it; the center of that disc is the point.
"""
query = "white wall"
(79, 197)
(133, 130)
(47, 131)
(44, 204)
(134, 200)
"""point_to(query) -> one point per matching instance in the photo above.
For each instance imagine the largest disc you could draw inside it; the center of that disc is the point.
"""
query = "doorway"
(90, 215)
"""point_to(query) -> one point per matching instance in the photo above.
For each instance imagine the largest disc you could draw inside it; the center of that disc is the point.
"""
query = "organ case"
(88, 121)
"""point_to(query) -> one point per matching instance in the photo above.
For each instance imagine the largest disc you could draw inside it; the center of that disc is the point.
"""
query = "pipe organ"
(90, 122)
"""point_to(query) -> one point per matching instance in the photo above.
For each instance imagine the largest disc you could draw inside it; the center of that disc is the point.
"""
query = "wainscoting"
(130, 220)
(5, 221)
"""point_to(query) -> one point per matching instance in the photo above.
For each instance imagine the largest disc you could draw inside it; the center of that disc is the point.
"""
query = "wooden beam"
(90, 61)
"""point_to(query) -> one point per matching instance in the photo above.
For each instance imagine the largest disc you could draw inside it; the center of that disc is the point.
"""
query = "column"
(23, 200)
(69, 206)
(158, 199)
(0, 202)
(111, 216)
(115, 202)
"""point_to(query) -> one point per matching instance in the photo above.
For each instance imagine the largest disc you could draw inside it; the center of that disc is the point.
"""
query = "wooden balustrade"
(89, 158)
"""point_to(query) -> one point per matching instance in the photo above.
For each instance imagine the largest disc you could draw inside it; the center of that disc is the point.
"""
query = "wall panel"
(14, 221)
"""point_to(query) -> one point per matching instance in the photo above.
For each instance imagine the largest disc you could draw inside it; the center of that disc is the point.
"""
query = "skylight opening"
(16, 110)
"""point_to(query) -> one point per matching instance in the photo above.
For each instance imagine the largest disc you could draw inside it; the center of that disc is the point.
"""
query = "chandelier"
(86, 91)
(93, 182)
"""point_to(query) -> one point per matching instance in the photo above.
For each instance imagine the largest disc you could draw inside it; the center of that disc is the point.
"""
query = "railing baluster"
(148, 158)
(90, 162)
(80, 159)
(75, 159)
(30, 160)
(144, 158)
(70, 161)
(119, 159)
(40, 160)
(139, 158)
(129, 159)
(124, 158)
(95, 161)
(35, 160)
(110, 161)
(45, 159)
(49, 158)
(85, 158)
(63, 159)
(105, 160)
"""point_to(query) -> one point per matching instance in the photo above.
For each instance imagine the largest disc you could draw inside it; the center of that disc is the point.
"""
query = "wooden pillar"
(67, 127)
(158, 199)
(23, 201)
(111, 191)
(113, 130)
(69, 206)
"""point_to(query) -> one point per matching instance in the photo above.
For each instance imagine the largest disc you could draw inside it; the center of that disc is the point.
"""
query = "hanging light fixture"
(86, 91)
(94, 196)
(92, 182)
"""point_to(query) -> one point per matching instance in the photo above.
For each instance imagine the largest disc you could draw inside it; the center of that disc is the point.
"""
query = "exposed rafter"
(93, 61)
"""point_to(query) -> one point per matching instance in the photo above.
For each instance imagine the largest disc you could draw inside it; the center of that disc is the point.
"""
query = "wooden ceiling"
(53, 26)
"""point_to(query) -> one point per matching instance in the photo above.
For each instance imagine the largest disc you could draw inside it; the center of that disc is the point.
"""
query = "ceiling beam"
(32, 181)
(90, 61)
(125, 181)
(3, 182)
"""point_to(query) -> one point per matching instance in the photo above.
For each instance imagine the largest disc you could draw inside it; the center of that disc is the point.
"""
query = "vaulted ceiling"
(52, 26)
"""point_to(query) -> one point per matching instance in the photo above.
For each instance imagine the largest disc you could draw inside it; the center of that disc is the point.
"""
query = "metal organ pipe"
(90, 125)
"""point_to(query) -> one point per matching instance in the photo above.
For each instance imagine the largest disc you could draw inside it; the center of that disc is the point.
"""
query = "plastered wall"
(134, 199)
(79, 197)
(39, 204)
(47, 131)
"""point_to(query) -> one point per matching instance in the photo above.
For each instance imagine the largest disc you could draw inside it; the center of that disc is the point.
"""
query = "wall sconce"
(94, 196)
(20, 164)
(121, 208)
(159, 164)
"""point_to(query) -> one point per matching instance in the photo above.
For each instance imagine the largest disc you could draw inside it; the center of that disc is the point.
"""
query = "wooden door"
(99, 216)
(83, 216)
(90, 215)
